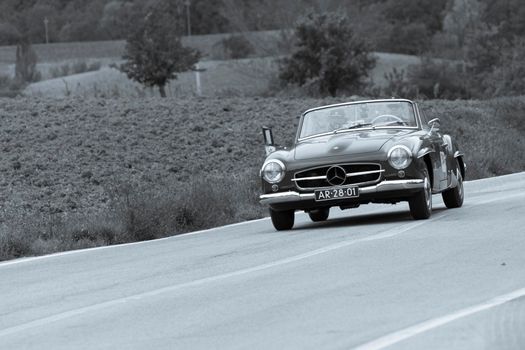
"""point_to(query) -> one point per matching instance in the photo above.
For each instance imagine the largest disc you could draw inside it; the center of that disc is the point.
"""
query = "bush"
(9, 34)
(79, 67)
(399, 86)
(25, 67)
(439, 79)
(411, 38)
(328, 55)
(10, 87)
(507, 78)
(94, 66)
(237, 46)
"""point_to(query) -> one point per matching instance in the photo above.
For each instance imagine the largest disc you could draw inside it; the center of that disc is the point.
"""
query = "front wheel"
(318, 215)
(421, 204)
(453, 197)
(282, 220)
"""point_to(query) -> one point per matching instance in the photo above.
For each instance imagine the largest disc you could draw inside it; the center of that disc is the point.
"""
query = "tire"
(421, 204)
(319, 215)
(282, 220)
(454, 197)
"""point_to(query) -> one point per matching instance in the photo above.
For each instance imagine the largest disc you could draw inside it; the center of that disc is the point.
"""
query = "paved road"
(368, 277)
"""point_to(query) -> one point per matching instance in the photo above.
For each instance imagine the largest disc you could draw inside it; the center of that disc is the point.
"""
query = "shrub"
(26, 59)
(439, 79)
(411, 38)
(237, 46)
(328, 55)
(10, 87)
(398, 85)
(94, 66)
(65, 70)
(507, 78)
(79, 67)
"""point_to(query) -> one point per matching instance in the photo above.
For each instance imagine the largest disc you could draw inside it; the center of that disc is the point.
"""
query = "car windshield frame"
(414, 113)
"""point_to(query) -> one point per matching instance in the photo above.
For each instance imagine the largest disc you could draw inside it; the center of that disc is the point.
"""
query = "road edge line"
(409, 332)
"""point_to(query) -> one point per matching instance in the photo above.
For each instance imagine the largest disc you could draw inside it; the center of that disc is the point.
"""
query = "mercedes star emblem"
(336, 176)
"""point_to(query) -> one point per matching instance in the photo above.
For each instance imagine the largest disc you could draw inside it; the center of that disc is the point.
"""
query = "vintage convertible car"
(345, 155)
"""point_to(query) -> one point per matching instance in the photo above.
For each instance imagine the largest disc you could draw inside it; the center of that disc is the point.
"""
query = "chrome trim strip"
(384, 186)
(358, 102)
(359, 129)
(323, 177)
(329, 165)
(365, 172)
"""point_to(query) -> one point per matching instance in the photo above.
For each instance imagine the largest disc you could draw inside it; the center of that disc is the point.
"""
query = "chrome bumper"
(383, 186)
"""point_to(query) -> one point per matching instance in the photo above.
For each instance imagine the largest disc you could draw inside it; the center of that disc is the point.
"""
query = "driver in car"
(336, 119)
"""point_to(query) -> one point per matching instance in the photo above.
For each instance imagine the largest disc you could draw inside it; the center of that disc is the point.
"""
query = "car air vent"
(356, 174)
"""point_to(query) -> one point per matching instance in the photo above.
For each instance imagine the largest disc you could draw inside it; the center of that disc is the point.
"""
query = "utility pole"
(46, 21)
(197, 72)
(188, 17)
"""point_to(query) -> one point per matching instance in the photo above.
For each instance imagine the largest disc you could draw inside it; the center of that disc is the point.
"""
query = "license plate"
(336, 193)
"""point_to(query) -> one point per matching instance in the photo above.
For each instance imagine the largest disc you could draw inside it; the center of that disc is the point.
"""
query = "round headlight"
(273, 171)
(399, 157)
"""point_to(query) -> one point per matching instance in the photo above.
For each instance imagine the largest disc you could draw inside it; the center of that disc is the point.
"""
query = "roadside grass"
(77, 173)
(135, 215)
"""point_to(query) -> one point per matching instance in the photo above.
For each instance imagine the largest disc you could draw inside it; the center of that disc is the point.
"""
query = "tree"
(154, 52)
(328, 54)
(26, 59)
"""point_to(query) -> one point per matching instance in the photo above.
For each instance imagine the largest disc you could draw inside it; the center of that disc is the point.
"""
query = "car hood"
(347, 143)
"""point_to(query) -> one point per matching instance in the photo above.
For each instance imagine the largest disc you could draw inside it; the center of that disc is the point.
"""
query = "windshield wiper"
(355, 126)
(396, 122)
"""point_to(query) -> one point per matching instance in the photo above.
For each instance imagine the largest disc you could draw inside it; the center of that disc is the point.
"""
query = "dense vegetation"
(328, 56)
(470, 48)
(79, 173)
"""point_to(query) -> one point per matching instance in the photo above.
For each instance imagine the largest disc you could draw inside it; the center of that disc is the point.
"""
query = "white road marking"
(75, 312)
(70, 252)
(54, 255)
(386, 234)
(396, 337)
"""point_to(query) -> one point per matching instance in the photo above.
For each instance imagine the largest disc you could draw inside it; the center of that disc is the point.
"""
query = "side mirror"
(269, 144)
(434, 124)
(268, 136)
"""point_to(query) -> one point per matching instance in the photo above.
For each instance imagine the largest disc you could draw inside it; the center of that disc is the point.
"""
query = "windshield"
(358, 115)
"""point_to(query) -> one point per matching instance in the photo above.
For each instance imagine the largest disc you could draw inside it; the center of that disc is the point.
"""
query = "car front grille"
(356, 174)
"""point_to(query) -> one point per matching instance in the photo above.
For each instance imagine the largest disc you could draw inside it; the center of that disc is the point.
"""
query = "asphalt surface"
(369, 277)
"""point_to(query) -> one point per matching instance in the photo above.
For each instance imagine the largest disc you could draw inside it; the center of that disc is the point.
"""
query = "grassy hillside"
(265, 43)
(85, 172)
(242, 77)
(245, 77)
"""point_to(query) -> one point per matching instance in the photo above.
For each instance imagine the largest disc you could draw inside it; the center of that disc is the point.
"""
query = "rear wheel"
(421, 204)
(282, 220)
(318, 215)
(453, 197)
